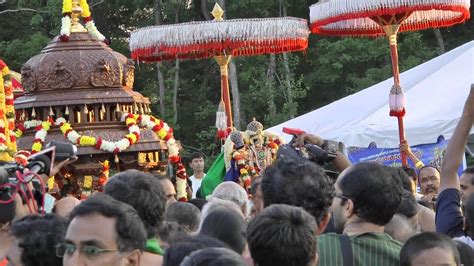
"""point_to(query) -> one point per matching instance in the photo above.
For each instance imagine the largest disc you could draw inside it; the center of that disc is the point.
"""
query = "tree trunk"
(288, 76)
(161, 80)
(439, 39)
(222, 4)
(234, 85)
(161, 86)
(175, 93)
(176, 73)
(205, 11)
(270, 84)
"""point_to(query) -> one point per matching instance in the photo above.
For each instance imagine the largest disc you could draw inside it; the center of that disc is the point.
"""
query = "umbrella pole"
(223, 61)
(391, 31)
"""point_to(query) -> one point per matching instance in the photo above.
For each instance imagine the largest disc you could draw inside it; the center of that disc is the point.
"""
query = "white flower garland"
(94, 32)
(66, 26)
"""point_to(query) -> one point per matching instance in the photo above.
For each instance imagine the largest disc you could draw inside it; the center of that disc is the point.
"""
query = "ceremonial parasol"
(221, 39)
(386, 17)
(15, 78)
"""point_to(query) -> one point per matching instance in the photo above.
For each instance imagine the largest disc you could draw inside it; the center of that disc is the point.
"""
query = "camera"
(14, 179)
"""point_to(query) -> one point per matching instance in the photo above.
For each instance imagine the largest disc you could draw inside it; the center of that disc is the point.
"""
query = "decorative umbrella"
(220, 39)
(15, 78)
(386, 17)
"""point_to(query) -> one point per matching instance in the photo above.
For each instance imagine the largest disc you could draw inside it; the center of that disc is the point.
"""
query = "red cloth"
(4, 262)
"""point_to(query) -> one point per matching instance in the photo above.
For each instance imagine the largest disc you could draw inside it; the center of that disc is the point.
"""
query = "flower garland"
(246, 172)
(99, 143)
(166, 133)
(132, 121)
(40, 136)
(104, 176)
(7, 114)
(66, 21)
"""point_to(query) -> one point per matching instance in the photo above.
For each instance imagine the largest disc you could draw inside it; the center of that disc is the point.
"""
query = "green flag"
(214, 176)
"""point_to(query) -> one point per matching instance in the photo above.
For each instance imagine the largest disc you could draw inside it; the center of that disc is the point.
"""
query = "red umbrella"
(220, 39)
(386, 17)
(15, 78)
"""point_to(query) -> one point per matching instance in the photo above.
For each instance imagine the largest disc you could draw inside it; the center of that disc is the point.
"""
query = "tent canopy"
(435, 91)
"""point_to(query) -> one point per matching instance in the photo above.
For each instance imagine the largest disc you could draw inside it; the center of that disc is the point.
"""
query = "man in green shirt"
(144, 193)
(367, 196)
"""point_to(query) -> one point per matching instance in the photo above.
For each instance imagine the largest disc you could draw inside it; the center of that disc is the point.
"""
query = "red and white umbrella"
(386, 17)
(220, 39)
(16, 84)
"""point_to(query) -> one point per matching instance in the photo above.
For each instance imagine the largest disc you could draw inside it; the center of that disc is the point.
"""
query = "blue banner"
(428, 153)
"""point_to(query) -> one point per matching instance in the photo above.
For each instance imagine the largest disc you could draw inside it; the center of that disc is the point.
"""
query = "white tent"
(435, 91)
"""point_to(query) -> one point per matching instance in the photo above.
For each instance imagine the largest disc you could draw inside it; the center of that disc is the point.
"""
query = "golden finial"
(217, 12)
(76, 13)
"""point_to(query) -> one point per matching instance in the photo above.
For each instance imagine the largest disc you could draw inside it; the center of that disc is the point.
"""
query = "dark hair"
(466, 253)
(195, 155)
(469, 170)
(176, 253)
(144, 193)
(375, 192)
(226, 225)
(427, 166)
(131, 233)
(214, 257)
(301, 184)
(469, 213)
(410, 172)
(185, 214)
(162, 178)
(37, 237)
(408, 206)
(407, 181)
(282, 235)
(170, 232)
(199, 203)
(424, 241)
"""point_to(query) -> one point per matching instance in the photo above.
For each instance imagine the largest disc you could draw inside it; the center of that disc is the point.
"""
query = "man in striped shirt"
(367, 197)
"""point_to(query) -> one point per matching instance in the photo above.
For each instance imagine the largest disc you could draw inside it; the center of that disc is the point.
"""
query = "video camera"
(25, 180)
(320, 155)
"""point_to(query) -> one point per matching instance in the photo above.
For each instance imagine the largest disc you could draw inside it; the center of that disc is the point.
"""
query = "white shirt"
(196, 184)
(465, 240)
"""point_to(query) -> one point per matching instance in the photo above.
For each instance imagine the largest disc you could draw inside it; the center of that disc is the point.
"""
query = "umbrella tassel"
(397, 101)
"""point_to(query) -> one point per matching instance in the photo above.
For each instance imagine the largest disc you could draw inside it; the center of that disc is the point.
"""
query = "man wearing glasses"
(367, 196)
(103, 231)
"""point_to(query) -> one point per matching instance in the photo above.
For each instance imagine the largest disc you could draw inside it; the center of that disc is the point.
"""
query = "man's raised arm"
(455, 149)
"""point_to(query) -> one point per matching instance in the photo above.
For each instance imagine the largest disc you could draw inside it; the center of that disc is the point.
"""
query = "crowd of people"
(296, 214)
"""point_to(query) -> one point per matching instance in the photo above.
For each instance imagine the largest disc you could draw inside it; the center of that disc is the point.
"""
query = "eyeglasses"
(88, 250)
(341, 196)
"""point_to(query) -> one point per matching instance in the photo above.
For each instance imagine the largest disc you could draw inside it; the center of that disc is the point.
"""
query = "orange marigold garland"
(104, 176)
(7, 114)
